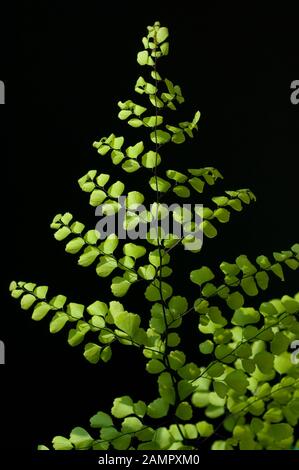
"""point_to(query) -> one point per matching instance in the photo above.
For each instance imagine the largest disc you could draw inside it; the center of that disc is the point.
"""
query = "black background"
(65, 66)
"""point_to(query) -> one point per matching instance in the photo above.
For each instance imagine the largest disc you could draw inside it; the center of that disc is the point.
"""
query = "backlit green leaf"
(101, 420)
(154, 366)
(135, 150)
(116, 189)
(120, 286)
(202, 275)
(122, 407)
(80, 438)
(92, 352)
(40, 311)
(235, 300)
(133, 250)
(160, 137)
(280, 431)
(151, 159)
(61, 443)
(130, 166)
(97, 197)
(245, 316)
(184, 411)
(264, 361)
(58, 322)
(106, 266)
(159, 184)
(249, 286)
(75, 245)
(27, 301)
(237, 380)
(162, 34)
(158, 408)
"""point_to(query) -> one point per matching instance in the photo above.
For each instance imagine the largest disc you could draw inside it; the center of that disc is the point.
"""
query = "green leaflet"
(154, 366)
(196, 184)
(91, 237)
(153, 121)
(264, 360)
(151, 159)
(244, 316)
(202, 275)
(75, 245)
(61, 443)
(97, 308)
(208, 229)
(176, 359)
(159, 184)
(80, 438)
(154, 292)
(136, 251)
(130, 166)
(280, 431)
(135, 150)
(162, 34)
(279, 343)
(181, 191)
(109, 245)
(184, 411)
(158, 408)
(248, 284)
(176, 176)
(101, 420)
(62, 233)
(127, 322)
(89, 255)
(166, 388)
(40, 311)
(206, 347)
(27, 301)
(204, 429)
(147, 272)
(160, 137)
(142, 57)
(158, 258)
(58, 322)
(106, 266)
(116, 189)
(237, 380)
(216, 370)
(235, 300)
(120, 286)
(92, 352)
(134, 199)
(177, 306)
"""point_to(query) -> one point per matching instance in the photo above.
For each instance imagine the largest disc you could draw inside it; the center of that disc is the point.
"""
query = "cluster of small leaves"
(99, 322)
(249, 391)
(255, 391)
(124, 429)
(251, 278)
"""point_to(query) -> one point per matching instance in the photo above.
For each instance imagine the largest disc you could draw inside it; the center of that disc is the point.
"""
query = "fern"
(248, 386)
